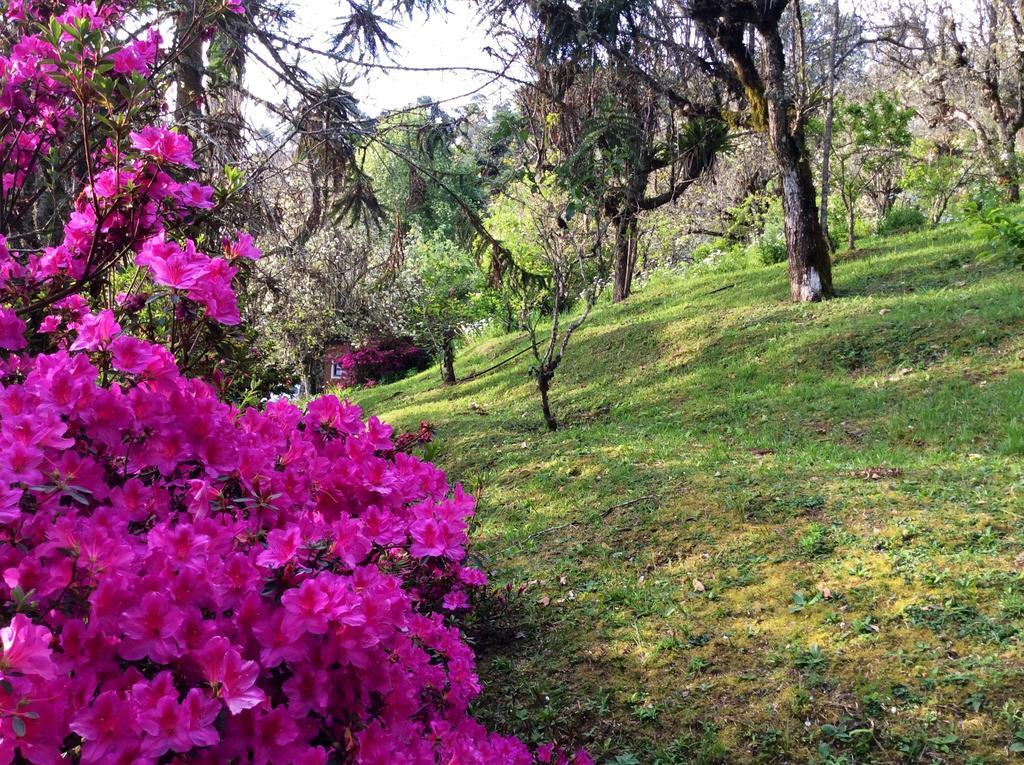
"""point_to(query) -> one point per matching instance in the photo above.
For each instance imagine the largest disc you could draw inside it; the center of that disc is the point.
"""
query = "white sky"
(447, 41)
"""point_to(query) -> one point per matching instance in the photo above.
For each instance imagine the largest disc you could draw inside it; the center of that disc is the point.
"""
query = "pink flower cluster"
(206, 581)
(182, 580)
(380, 361)
(133, 198)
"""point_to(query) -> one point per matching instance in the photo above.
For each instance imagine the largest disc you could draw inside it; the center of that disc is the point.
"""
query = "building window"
(336, 370)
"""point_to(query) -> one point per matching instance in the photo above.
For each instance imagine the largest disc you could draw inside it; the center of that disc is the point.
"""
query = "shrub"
(184, 580)
(720, 255)
(1004, 229)
(381, 361)
(901, 219)
(770, 247)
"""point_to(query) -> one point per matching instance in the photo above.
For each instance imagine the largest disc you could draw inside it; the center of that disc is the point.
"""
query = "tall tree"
(761, 72)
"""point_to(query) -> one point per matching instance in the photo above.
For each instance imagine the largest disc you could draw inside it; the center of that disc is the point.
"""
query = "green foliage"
(870, 143)
(769, 246)
(444, 290)
(755, 236)
(818, 541)
(901, 219)
(509, 219)
(663, 238)
(610, 148)
(421, 175)
(934, 173)
(880, 126)
(1004, 229)
(721, 255)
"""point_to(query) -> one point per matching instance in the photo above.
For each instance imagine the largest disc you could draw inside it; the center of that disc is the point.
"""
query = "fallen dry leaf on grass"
(877, 473)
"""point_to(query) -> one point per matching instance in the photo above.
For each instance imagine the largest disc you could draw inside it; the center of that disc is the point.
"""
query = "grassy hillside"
(768, 533)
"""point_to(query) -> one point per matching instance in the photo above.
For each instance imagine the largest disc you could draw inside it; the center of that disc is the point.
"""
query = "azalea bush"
(380, 361)
(181, 580)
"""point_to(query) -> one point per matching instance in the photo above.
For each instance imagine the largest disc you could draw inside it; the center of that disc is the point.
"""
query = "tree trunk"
(1008, 175)
(938, 209)
(625, 255)
(826, 168)
(189, 69)
(543, 385)
(310, 374)
(810, 267)
(826, 158)
(851, 232)
(448, 358)
(227, 99)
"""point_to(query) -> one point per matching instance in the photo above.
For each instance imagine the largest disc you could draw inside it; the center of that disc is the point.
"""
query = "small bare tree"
(567, 253)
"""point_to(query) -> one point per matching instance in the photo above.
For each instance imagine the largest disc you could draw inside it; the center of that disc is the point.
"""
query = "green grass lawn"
(712, 575)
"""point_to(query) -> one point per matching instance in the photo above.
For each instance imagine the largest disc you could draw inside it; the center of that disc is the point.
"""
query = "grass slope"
(709, 577)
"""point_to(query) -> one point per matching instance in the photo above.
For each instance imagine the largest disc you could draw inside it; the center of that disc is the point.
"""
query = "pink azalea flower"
(428, 538)
(170, 265)
(50, 323)
(213, 290)
(455, 601)
(275, 734)
(308, 690)
(306, 606)
(108, 728)
(95, 331)
(197, 727)
(21, 462)
(196, 195)
(178, 727)
(233, 679)
(242, 246)
(12, 330)
(474, 577)
(351, 543)
(150, 629)
(164, 145)
(282, 544)
(138, 56)
(280, 637)
(26, 649)
(131, 355)
(10, 504)
(220, 583)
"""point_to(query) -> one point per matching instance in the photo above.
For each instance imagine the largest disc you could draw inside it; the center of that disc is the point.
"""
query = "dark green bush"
(900, 219)
(770, 246)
